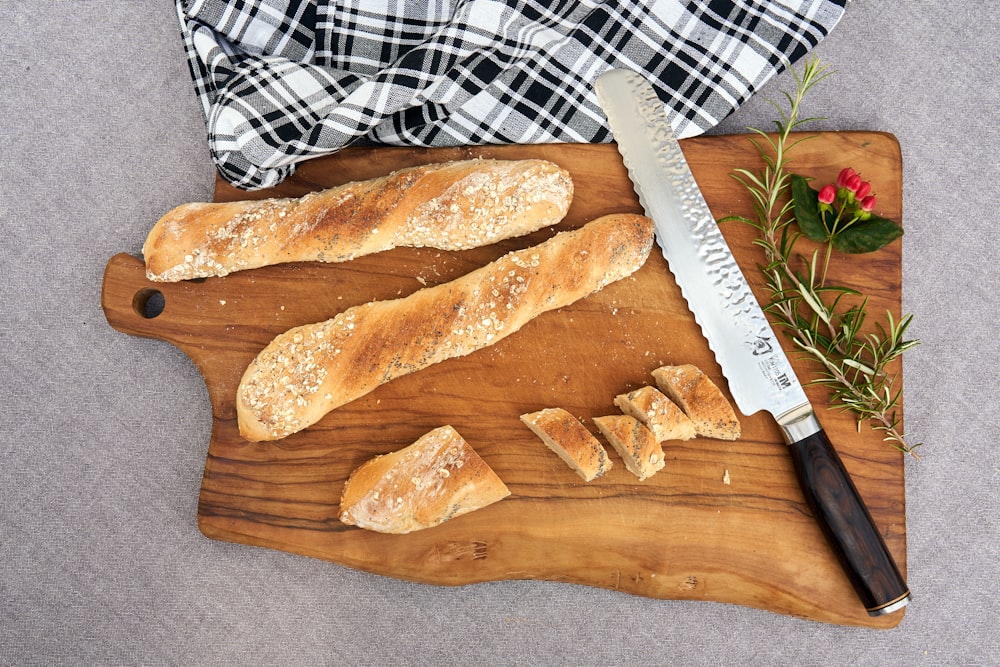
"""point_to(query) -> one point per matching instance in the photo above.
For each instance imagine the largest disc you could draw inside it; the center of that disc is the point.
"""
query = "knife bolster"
(798, 423)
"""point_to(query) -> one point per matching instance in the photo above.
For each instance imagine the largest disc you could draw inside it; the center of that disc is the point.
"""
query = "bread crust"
(636, 444)
(565, 435)
(702, 401)
(658, 413)
(312, 369)
(437, 478)
(449, 206)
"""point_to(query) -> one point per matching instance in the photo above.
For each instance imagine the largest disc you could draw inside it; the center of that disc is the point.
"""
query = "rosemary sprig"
(826, 322)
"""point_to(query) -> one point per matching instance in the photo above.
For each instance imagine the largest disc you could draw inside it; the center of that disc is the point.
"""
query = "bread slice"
(435, 479)
(566, 436)
(659, 414)
(636, 444)
(702, 401)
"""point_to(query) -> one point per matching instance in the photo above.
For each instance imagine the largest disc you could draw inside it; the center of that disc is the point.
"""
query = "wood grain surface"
(724, 521)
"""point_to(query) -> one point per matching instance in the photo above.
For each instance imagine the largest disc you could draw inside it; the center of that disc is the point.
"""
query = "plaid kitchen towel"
(281, 81)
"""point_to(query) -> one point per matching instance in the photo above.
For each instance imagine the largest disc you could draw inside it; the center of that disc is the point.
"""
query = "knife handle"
(848, 525)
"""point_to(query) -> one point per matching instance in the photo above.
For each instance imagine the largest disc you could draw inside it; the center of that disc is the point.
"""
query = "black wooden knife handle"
(848, 525)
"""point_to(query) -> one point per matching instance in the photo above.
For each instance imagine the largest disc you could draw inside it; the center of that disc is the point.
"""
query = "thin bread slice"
(435, 479)
(566, 436)
(659, 414)
(700, 399)
(636, 444)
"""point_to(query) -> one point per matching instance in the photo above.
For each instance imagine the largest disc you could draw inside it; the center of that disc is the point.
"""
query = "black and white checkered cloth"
(281, 81)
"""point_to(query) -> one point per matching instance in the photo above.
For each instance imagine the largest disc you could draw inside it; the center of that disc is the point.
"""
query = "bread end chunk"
(437, 478)
(636, 444)
(566, 436)
(702, 401)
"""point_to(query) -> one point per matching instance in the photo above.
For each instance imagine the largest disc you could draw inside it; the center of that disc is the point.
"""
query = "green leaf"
(807, 213)
(867, 235)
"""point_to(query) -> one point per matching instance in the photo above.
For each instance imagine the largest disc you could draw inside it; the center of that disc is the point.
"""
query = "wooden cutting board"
(724, 521)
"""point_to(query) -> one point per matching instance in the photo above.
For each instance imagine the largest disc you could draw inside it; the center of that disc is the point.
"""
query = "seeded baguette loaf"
(312, 369)
(566, 436)
(702, 401)
(636, 444)
(448, 206)
(658, 413)
(435, 479)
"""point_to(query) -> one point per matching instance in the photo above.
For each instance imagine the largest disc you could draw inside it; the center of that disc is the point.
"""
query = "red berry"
(845, 174)
(827, 194)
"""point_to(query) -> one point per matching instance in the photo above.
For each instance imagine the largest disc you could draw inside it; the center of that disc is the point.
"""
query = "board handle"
(131, 303)
(848, 525)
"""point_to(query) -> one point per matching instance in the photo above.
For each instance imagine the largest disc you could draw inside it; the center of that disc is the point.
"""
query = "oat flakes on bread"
(636, 444)
(565, 435)
(437, 478)
(702, 401)
(448, 206)
(658, 413)
(312, 369)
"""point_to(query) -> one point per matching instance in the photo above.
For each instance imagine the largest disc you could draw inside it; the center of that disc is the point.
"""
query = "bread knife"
(759, 374)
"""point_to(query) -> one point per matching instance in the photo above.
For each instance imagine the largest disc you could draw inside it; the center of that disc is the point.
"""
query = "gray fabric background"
(101, 561)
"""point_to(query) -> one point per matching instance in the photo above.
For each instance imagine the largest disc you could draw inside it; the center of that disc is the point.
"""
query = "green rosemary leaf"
(767, 137)
(801, 139)
(747, 177)
(853, 363)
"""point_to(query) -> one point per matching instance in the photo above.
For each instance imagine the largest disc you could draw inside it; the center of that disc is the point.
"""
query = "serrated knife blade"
(759, 374)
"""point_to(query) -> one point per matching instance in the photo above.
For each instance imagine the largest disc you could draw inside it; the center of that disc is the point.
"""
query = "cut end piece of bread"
(565, 435)
(435, 479)
(636, 444)
(700, 399)
(659, 414)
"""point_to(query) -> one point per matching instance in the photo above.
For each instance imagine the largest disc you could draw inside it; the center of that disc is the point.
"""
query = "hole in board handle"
(148, 303)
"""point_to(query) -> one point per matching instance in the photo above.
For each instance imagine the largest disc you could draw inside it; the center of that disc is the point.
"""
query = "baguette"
(702, 401)
(636, 444)
(566, 436)
(658, 413)
(312, 369)
(423, 485)
(449, 206)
